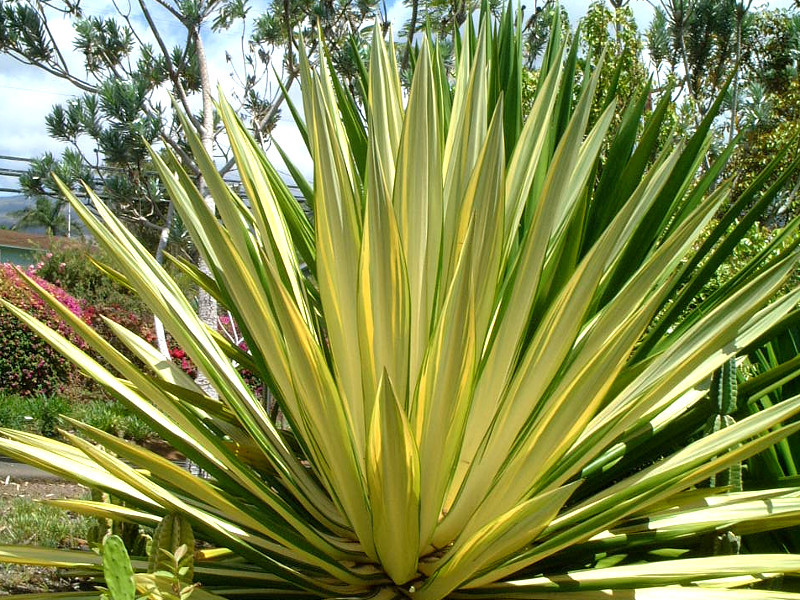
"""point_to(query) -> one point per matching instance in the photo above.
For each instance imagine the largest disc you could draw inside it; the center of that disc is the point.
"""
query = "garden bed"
(25, 521)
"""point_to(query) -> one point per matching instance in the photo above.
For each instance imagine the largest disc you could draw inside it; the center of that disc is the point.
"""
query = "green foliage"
(724, 403)
(173, 581)
(172, 549)
(71, 267)
(770, 375)
(40, 414)
(615, 33)
(103, 42)
(171, 564)
(773, 39)
(48, 211)
(708, 38)
(128, 70)
(37, 414)
(769, 116)
(112, 417)
(696, 39)
(537, 31)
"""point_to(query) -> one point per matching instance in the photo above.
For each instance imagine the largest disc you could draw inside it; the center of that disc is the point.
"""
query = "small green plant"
(112, 417)
(41, 414)
(36, 414)
(723, 400)
(45, 411)
(10, 414)
(170, 567)
(173, 580)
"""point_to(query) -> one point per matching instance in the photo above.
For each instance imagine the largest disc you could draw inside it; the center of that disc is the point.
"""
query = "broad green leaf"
(418, 204)
(393, 484)
(384, 311)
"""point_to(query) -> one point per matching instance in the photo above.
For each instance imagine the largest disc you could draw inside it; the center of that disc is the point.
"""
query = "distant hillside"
(9, 205)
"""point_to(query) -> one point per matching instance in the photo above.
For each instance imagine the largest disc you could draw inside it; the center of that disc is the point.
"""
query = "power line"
(11, 172)
(16, 158)
(36, 91)
(16, 173)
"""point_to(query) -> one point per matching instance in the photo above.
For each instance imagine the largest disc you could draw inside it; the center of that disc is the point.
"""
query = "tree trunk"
(741, 10)
(412, 29)
(206, 304)
(161, 338)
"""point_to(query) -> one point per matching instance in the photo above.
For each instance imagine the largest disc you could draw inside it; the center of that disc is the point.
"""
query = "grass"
(40, 414)
(26, 521)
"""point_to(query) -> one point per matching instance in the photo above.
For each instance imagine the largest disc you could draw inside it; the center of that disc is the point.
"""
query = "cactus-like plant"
(172, 548)
(170, 567)
(723, 396)
(117, 570)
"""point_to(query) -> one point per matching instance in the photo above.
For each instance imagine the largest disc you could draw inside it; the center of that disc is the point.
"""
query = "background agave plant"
(485, 346)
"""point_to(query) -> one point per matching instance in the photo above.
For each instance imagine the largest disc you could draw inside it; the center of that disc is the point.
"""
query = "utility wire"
(9, 172)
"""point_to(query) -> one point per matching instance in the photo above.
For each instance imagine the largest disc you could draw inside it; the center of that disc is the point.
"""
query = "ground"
(24, 521)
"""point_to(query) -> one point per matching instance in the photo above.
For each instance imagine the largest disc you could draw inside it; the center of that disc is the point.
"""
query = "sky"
(27, 94)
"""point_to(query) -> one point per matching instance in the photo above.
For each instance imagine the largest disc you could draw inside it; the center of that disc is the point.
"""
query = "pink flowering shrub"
(28, 366)
(67, 266)
(228, 328)
(32, 367)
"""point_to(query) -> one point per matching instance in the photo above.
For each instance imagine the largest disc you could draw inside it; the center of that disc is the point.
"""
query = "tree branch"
(173, 74)
(171, 10)
(53, 70)
(50, 35)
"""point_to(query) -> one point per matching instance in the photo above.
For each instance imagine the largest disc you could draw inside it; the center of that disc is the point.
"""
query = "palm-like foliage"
(482, 346)
(46, 213)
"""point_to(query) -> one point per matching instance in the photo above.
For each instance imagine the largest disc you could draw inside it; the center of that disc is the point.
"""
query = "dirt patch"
(25, 579)
(40, 490)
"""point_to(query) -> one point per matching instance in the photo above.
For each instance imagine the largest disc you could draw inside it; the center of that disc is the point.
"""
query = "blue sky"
(27, 94)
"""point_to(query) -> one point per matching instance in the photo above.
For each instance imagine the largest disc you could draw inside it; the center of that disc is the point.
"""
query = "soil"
(41, 489)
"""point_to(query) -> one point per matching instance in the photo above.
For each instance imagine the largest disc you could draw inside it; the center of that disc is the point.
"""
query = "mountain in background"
(9, 204)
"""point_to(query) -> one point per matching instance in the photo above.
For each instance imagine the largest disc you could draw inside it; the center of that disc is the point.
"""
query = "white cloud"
(398, 14)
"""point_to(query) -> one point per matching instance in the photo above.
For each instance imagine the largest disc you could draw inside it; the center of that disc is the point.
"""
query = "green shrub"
(70, 267)
(40, 414)
(112, 417)
(37, 414)
(44, 411)
(11, 415)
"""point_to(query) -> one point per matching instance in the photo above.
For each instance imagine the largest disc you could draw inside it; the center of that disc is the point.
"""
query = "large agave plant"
(489, 348)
